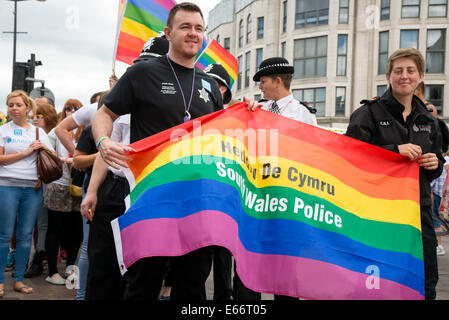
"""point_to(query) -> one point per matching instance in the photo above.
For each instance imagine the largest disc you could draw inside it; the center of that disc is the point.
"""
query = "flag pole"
(121, 14)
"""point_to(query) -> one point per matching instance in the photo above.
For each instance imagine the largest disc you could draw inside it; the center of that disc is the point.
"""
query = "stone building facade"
(338, 47)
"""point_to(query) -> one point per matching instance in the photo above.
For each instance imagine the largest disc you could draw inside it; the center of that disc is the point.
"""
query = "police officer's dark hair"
(186, 6)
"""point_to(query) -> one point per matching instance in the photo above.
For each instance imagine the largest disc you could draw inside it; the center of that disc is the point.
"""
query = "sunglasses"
(38, 117)
(70, 109)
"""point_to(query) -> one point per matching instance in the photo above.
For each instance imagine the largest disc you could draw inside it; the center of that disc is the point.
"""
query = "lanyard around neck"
(187, 115)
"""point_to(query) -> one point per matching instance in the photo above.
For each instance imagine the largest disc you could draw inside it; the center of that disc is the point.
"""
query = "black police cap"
(271, 66)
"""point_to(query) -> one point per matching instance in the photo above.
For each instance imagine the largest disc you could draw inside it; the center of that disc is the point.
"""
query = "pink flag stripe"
(264, 273)
(166, 4)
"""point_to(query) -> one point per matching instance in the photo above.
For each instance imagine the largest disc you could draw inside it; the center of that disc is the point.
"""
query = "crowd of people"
(91, 141)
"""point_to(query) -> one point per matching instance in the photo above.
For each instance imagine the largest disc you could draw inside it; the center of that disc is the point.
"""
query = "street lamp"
(15, 30)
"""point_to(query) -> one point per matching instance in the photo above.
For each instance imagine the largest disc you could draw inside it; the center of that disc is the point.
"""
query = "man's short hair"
(186, 6)
(49, 100)
(93, 99)
(286, 79)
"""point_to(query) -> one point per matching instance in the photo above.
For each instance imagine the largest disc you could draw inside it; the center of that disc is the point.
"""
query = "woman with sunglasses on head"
(18, 177)
(45, 118)
(64, 219)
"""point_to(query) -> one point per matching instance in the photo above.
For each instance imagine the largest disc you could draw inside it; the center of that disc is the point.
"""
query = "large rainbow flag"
(140, 21)
(305, 212)
(215, 53)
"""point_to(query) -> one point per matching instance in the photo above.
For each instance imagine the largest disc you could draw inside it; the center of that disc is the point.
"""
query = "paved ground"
(45, 291)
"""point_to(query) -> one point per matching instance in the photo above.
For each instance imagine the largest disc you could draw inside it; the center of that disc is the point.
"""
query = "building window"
(260, 27)
(410, 8)
(284, 16)
(283, 45)
(340, 102)
(385, 10)
(436, 44)
(437, 8)
(343, 16)
(259, 57)
(409, 39)
(311, 12)
(342, 54)
(218, 39)
(383, 51)
(241, 33)
(315, 97)
(310, 57)
(434, 94)
(227, 44)
(381, 90)
(249, 28)
(239, 77)
(247, 69)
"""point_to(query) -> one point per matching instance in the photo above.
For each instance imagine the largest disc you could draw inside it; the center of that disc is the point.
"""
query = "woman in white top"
(18, 176)
(45, 118)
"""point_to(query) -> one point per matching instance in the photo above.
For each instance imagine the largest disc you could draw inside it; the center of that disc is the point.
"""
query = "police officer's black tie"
(274, 108)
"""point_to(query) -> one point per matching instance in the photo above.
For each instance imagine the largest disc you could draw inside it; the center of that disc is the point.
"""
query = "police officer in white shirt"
(275, 76)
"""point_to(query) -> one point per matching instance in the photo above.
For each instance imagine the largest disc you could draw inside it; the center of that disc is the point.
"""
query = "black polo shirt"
(150, 93)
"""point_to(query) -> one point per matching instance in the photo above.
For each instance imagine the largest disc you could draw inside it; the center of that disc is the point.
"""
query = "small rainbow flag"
(140, 21)
(305, 212)
(215, 53)
(3, 119)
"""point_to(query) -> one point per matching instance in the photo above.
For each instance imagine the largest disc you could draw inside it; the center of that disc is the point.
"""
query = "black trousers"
(104, 280)
(241, 292)
(188, 275)
(67, 227)
(222, 264)
(429, 241)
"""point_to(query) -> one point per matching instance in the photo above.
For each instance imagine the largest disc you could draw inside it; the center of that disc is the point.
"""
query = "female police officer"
(398, 121)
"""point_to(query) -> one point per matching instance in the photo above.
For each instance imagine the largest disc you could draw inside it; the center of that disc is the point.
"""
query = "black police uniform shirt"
(150, 93)
(380, 122)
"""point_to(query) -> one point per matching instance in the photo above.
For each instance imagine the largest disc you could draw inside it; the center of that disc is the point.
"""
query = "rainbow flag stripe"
(3, 119)
(215, 53)
(304, 211)
(142, 20)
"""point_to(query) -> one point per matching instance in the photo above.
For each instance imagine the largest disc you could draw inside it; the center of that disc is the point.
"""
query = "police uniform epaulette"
(369, 101)
(309, 107)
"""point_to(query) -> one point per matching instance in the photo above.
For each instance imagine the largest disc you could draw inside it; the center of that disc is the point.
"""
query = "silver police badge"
(204, 95)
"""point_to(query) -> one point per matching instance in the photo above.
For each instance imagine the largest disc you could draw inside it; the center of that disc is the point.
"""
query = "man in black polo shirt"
(160, 94)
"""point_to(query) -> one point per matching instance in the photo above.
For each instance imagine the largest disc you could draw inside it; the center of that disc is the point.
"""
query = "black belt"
(116, 177)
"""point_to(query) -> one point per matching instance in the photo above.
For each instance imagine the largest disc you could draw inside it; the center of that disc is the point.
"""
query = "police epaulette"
(369, 101)
(311, 109)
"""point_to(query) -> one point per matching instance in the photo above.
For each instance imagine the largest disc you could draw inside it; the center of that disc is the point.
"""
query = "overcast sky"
(74, 39)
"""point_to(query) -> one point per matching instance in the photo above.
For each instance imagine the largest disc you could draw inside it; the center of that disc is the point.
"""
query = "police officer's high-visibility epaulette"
(309, 107)
(369, 101)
